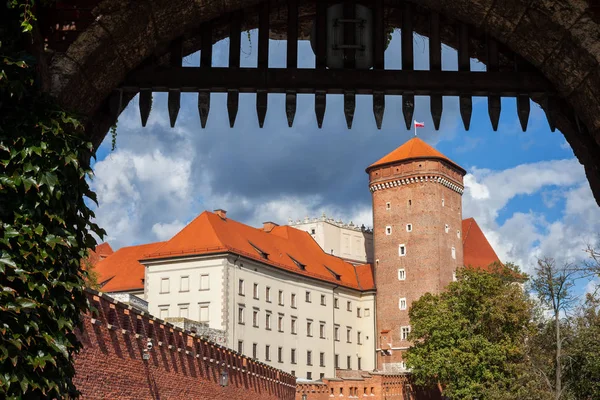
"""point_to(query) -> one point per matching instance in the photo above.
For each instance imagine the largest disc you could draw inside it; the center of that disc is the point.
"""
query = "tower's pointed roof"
(414, 149)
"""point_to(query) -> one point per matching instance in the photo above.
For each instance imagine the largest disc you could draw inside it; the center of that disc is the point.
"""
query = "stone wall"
(180, 365)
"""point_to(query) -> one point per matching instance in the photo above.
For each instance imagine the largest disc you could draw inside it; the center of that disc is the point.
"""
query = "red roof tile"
(414, 149)
(122, 271)
(101, 251)
(477, 251)
(283, 247)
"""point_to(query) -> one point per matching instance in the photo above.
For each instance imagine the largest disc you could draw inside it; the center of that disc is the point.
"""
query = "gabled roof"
(283, 247)
(121, 270)
(477, 251)
(101, 251)
(414, 149)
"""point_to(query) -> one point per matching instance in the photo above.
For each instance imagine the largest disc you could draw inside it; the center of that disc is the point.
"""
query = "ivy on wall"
(45, 224)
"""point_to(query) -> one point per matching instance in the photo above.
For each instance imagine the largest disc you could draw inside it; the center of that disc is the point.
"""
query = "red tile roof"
(122, 271)
(477, 251)
(283, 247)
(101, 251)
(414, 149)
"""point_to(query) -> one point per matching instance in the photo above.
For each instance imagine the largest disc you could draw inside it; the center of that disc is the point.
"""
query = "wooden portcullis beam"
(390, 82)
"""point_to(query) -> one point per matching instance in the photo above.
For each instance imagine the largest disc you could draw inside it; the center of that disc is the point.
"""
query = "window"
(458, 233)
(388, 230)
(164, 285)
(336, 333)
(294, 326)
(267, 352)
(388, 206)
(348, 362)
(358, 339)
(349, 306)
(349, 335)
(255, 318)
(321, 375)
(204, 282)
(410, 202)
(280, 354)
(309, 375)
(336, 303)
(293, 300)
(402, 250)
(321, 359)
(293, 356)
(268, 320)
(308, 357)
(322, 299)
(360, 367)
(402, 364)
(443, 202)
(184, 311)
(402, 303)
(293, 372)
(404, 331)
(254, 350)
(241, 288)
(255, 291)
(280, 297)
(322, 330)
(454, 253)
(204, 312)
(358, 313)
(280, 323)
(163, 312)
(312, 231)
(336, 360)
(454, 276)
(240, 348)
(408, 227)
(367, 312)
(241, 315)
(184, 284)
(308, 328)
(446, 228)
(268, 294)
(307, 296)
(401, 274)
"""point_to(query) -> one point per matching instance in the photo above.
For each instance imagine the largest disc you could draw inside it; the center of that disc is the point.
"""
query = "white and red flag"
(418, 125)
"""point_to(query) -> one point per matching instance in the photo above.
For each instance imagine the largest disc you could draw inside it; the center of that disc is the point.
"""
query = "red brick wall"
(181, 365)
(428, 263)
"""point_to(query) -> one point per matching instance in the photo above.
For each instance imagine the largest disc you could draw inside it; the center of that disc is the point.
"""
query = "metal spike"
(436, 106)
(320, 105)
(203, 106)
(290, 107)
(378, 107)
(233, 102)
(261, 106)
(349, 107)
(408, 109)
(494, 108)
(550, 109)
(145, 104)
(174, 102)
(466, 109)
(523, 109)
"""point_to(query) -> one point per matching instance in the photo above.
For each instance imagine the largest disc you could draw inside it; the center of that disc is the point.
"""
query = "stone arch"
(560, 38)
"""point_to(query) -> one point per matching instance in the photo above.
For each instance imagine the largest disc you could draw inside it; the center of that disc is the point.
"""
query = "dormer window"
(298, 263)
(262, 253)
(335, 275)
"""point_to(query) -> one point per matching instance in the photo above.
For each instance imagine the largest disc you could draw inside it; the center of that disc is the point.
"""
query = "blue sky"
(526, 190)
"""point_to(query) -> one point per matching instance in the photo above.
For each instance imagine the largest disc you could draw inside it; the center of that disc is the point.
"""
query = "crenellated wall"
(181, 365)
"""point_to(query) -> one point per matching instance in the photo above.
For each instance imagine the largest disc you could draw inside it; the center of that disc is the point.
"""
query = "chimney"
(221, 213)
(268, 226)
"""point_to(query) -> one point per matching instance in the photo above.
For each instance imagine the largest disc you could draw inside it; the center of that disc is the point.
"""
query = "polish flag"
(419, 124)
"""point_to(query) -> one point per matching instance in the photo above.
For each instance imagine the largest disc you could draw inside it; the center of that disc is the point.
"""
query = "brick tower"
(417, 218)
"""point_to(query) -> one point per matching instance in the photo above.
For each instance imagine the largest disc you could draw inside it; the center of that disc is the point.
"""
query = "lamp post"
(224, 378)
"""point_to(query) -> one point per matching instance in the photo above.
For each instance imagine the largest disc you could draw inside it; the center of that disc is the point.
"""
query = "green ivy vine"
(46, 227)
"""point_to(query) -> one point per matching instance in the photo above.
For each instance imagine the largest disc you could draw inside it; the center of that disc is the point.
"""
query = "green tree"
(471, 338)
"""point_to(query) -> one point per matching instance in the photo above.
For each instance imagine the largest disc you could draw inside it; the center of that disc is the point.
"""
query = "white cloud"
(165, 231)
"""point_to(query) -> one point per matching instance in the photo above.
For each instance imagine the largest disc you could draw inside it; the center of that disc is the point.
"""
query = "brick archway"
(558, 37)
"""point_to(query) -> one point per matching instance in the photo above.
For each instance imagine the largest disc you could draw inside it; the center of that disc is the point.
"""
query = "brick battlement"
(181, 364)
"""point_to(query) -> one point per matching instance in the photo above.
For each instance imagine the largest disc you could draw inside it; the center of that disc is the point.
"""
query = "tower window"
(402, 303)
(402, 250)
(313, 231)
(458, 233)
(408, 227)
(446, 228)
(401, 274)
(410, 202)
(454, 253)
(443, 202)
(388, 206)
(388, 230)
